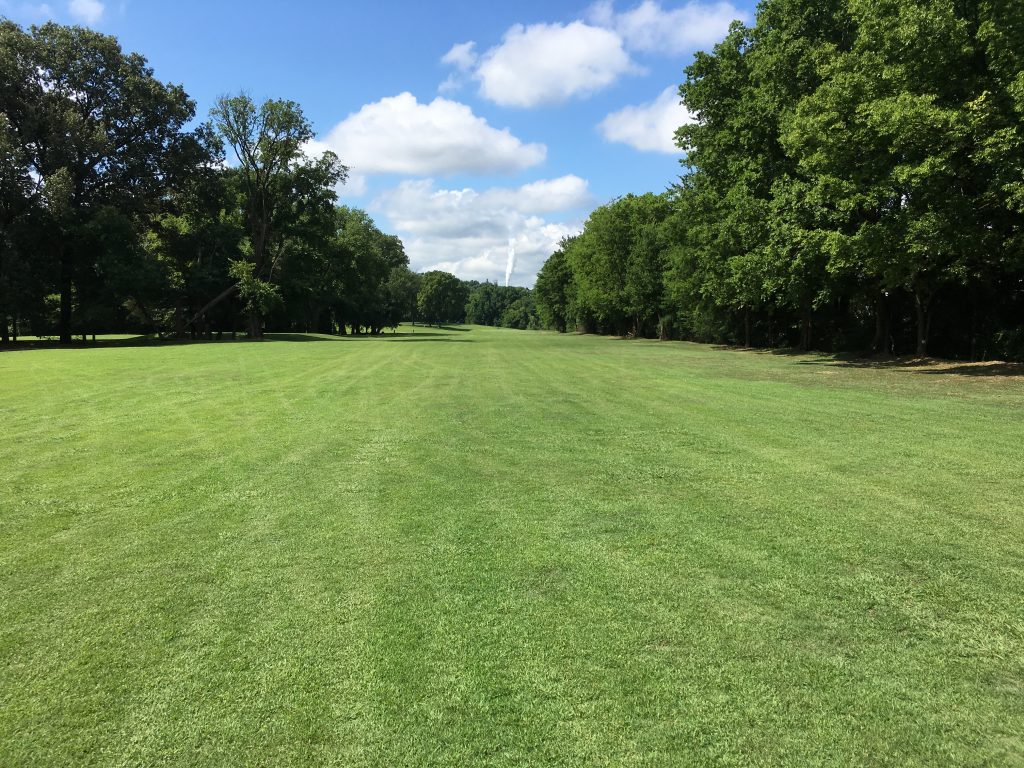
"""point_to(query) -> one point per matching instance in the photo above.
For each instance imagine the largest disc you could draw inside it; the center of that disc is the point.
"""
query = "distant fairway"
(490, 547)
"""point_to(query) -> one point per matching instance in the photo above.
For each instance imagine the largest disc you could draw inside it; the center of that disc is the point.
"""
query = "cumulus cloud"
(398, 134)
(551, 63)
(648, 127)
(545, 64)
(468, 232)
(651, 28)
(355, 184)
(86, 11)
(461, 55)
(546, 196)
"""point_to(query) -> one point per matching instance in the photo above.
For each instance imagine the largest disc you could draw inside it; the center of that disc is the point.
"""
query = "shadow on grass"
(435, 339)
(408, 335)
(297, 337)
(929, 366)
(934, 367)
(153, 341)
(922, 366)
(23, 345)
(289, 338)
(435, 328)
(985, 369)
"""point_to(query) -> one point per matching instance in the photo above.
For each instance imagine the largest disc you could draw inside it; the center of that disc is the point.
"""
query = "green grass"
(486, 547)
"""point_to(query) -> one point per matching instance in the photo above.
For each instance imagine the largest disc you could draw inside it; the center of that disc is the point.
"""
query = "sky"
(471, 129)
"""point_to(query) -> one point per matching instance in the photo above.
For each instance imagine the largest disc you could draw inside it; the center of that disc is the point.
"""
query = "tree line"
(853, 180)
(444, 298)
(116, 215)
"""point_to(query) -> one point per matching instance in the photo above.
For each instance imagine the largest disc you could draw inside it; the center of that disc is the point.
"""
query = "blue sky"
(469, 127)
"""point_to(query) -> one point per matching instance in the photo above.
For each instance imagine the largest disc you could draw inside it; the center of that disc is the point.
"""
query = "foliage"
(553, 290)
(286, 197)
(133, 219)
(853, 181)
(491, 304)
(258, 296)
(609, 278)
(94, 133)
(441, 299)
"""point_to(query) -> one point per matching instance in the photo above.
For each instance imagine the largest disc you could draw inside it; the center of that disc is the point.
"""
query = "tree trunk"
(65, 300)
(974, 325)
(5, 336)
(255, 323)
(922, 301)
(806, 332)
(179, 322)
(746, 328)
(880, 344)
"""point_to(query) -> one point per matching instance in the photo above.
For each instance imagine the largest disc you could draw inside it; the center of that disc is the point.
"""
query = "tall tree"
(275, 177)
(553, 290)
(371, 256)
(98, 131)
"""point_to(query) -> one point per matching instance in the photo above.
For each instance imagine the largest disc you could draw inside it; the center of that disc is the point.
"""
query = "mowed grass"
(488, 547)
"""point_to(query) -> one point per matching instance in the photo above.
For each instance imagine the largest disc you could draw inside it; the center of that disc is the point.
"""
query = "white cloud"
(86, 11)
(416, 206)
(399, 135)
(551, 63)
(545, 196)
(355, 184)
(648, 127)
(451, 83)
(461, 55)
(651, 28)
(468, 233)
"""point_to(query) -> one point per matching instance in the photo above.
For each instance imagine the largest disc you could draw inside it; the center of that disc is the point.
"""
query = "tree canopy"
(441, 298)
(852, 180)
(118, 211)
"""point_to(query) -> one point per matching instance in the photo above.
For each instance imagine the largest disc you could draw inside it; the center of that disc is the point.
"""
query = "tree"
(488, 303)
(276, 180)
(521, 314)
(17, 201)
(97, 131)
(371, 257)
(442, 298)
(192, 243)
(618, 267)
(894, 129)
(400, 293)
(553, 288)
